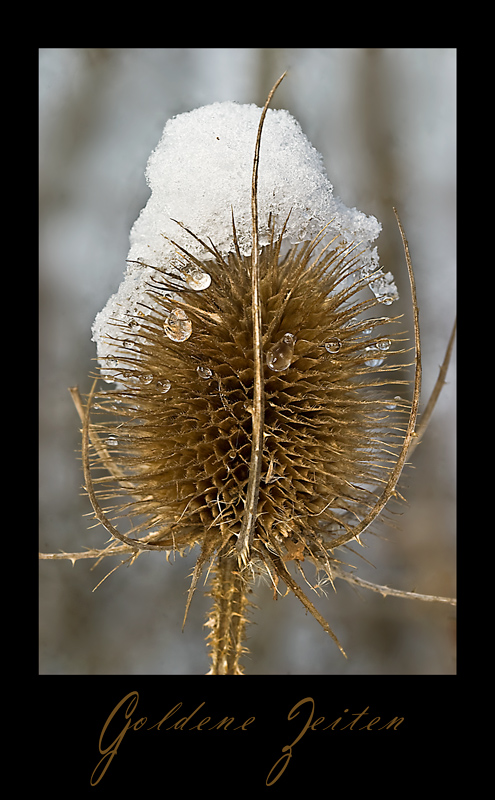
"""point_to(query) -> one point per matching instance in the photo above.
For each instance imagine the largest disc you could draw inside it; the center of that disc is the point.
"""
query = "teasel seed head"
(178, 424)
(178, 433)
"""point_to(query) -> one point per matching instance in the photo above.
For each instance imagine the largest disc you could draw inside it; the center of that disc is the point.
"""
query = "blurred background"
(385, 123)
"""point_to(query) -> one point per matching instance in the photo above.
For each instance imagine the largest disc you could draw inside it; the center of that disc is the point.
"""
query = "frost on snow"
(201, 171)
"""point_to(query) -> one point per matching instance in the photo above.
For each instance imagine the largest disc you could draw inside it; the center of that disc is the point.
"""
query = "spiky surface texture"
(180, 458)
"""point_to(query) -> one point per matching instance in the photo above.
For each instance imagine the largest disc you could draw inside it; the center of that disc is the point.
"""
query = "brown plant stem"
(440, 382)
(100, 448)
(387, 591)
(283, 573)
(227, 617)
(100, 515)
(246, 533)
(410, 433)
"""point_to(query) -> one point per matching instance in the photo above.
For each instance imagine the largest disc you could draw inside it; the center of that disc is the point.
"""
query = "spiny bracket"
(410, 434)
(246, 533)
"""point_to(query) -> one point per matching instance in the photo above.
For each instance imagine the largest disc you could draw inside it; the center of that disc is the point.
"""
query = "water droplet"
(333, 345)
(130, 377)
(128, 344)
(373, 361)
(384, 344)
(112, 441)
(280, 355)
(195, 277)
(204, 372)
(146, 378)
(392, 405)
(110, 363)
(178, 326)
(163, 386)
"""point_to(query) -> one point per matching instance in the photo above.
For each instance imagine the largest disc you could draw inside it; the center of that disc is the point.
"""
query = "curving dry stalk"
(276, 444)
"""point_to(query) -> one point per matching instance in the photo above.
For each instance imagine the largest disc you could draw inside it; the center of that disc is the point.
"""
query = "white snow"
(201, 169)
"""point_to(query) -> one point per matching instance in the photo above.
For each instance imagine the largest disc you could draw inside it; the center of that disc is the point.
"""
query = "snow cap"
(201, 171)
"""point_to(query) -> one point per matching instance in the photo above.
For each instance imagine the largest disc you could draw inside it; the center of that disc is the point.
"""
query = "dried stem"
(246, 533)
(100, 448)
(386, 591)
(228, 617)
(100, 515)
(440, 382)
(289, 581)
(410, 434)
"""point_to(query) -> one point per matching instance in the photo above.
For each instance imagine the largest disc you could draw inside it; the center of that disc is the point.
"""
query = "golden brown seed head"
(179, 424)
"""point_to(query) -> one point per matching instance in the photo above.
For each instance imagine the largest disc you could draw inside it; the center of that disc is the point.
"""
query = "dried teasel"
(251, 411)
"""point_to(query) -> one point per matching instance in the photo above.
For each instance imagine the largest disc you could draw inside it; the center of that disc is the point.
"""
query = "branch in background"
(387, 591)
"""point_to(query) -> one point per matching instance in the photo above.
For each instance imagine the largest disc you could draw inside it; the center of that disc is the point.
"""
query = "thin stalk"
(410, 434)
(426, 415)
(228, 617)
(246, 533)
(387, 591)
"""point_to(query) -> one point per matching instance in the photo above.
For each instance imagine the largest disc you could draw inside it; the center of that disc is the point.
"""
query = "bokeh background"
(385, 123)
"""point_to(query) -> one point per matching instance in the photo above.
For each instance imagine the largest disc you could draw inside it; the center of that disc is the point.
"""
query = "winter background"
(385, 123)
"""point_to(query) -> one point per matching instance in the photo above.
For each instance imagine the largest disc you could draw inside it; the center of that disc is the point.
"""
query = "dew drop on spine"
(279, 356)
(178, 326)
